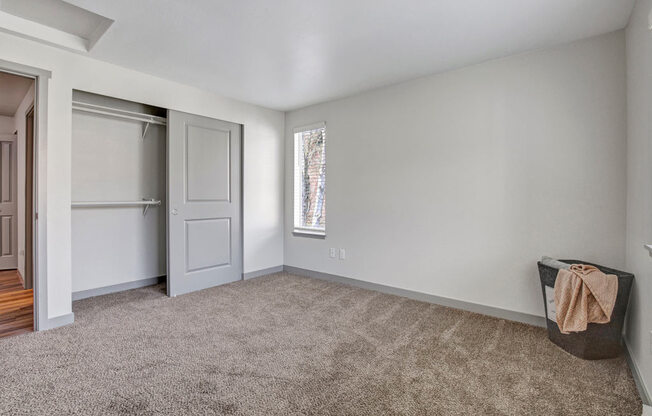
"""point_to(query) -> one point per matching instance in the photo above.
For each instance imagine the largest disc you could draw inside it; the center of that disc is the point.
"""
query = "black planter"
(599, 341)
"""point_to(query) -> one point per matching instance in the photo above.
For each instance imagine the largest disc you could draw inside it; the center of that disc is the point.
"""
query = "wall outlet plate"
(342, 254)
(332, 253)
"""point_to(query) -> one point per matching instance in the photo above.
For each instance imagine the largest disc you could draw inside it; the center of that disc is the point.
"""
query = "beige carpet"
(283, 344)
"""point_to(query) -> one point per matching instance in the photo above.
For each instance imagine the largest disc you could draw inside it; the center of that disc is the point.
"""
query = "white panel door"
(8, 206)
(204, 203)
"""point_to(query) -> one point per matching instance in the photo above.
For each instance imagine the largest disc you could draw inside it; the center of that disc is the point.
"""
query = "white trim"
(120, 287)
(308, 127)
(262, 272)
(642, 388)
(500, 313)
(41, 77)
(57, 321)
(35, 31)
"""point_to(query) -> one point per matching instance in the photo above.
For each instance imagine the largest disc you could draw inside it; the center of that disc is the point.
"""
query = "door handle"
(174, 212)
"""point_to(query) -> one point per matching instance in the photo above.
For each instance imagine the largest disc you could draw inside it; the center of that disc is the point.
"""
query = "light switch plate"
(342, 254)
(333, 253)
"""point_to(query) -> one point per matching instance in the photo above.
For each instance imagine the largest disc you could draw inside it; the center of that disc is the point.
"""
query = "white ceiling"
(286, 54)
(13, 89)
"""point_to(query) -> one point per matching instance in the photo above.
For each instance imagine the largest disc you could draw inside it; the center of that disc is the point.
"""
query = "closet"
(156, 197)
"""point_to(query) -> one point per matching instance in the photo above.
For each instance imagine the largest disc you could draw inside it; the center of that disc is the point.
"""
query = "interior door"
(8, 208)
(204, 203)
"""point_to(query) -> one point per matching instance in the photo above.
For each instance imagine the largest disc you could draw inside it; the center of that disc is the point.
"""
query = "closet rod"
(114, 112)
(81, 204)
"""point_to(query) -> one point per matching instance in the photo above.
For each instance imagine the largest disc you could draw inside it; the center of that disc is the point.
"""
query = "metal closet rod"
(145, 203)
(80, 204)
(114, 112)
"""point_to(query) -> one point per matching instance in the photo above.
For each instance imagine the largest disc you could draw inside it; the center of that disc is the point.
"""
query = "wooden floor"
(16, 305)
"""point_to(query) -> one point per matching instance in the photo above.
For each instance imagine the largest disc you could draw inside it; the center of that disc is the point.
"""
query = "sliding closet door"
(204, 212)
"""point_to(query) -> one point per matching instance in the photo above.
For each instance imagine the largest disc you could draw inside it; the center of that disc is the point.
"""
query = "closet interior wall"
(113, 161)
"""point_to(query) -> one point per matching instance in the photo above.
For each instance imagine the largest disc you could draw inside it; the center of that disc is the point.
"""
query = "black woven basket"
(599, 341)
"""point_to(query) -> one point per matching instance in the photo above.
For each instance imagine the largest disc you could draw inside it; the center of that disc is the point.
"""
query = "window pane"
(311, 175)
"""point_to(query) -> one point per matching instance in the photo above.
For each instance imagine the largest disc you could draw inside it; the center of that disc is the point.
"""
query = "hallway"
(16, 305)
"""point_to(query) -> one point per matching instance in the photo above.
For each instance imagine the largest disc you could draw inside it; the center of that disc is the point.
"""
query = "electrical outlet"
(332, 253)
(342, 254)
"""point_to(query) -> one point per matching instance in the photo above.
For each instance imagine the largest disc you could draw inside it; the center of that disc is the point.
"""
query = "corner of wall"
(286, 192)
(638, 40)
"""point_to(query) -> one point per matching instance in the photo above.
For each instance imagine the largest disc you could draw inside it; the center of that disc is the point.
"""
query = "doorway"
(17, 110)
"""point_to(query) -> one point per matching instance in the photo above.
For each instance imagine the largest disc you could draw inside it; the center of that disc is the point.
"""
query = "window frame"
(298, 230)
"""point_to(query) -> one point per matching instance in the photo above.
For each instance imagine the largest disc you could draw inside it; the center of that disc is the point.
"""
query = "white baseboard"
(647, 410)
(83, 294)
(56, 322)
(525, 318)
(262, 272)
(643, 390)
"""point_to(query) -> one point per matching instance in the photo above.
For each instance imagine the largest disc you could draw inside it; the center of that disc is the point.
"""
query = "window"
(310, 180)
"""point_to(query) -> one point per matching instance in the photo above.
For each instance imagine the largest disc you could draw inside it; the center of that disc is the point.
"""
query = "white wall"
(263, 152)
(20, 126)
(456, 184)
(6, 125)
(639, 187)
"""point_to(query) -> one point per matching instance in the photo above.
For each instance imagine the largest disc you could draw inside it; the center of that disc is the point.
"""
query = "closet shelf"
(114, 112)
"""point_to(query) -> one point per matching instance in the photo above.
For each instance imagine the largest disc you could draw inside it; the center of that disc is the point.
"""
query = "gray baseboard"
(424, 297)
(636, 373)
(56, 322)
(262, 272)
(83, 294)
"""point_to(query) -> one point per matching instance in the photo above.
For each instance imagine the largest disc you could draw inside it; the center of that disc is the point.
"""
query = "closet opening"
(118, 195)
(17, 203)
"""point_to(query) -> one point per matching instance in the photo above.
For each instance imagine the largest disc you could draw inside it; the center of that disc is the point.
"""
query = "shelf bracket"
(146, 207)
(145, 130)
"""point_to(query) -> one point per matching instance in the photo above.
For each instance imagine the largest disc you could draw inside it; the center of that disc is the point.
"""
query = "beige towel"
(583, 294)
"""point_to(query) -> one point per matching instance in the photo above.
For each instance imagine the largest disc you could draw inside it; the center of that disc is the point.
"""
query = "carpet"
(289, 345)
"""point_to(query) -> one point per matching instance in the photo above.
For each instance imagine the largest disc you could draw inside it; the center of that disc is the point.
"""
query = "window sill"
(298, 232)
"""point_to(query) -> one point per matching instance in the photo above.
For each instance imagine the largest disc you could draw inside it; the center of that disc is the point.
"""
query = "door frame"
(39, 202)
(29, 210)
